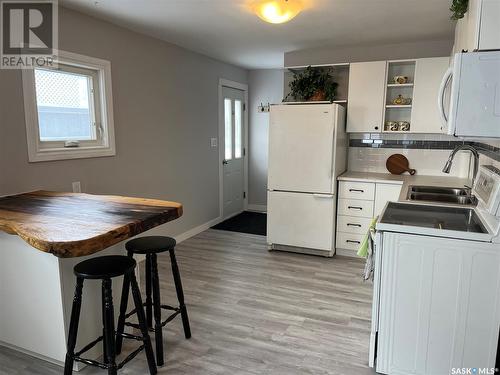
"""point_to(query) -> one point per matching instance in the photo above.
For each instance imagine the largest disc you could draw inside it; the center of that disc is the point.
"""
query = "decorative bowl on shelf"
(400, 100)
(403, 126)
(391, 126)
(400, 79)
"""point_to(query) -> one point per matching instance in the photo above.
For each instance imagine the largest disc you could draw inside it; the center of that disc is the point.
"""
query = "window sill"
(71, 153)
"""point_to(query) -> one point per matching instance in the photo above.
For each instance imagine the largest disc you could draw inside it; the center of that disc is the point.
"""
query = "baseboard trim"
(41, 356)
(257, 207)
(197, 230)
(181, 237)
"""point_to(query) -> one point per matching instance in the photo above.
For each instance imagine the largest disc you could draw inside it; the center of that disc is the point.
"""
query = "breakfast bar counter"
(42, 236)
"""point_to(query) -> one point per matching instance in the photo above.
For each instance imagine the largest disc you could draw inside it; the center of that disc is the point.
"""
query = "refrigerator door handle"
(327, 196)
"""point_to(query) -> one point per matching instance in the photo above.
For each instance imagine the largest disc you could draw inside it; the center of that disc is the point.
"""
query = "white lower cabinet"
(359, 202)
(439, 305)
(385, 193)
(356, 207)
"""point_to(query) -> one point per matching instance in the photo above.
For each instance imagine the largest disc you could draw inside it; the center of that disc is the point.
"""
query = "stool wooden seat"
(151, 246)
(105, 268)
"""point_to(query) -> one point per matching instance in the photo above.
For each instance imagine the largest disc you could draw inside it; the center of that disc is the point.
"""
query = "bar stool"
(151, 246)
(105, 268)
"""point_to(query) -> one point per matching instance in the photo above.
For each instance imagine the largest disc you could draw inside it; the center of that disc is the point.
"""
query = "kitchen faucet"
(474, 152)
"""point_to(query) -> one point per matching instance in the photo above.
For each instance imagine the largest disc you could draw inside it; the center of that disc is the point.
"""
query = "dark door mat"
(246, 222)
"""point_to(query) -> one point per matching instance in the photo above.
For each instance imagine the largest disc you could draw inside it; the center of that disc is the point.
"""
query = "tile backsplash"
(425, 161)
(491, 153)
(427, 153)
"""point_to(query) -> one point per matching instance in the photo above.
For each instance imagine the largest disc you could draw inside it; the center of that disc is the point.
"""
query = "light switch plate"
(213, 142)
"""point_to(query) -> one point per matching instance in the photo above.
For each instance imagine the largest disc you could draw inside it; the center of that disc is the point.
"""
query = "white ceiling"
(227, 30)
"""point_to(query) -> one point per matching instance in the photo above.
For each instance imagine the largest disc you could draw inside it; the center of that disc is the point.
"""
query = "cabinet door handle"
(354, 225)
(357, 190)
(354, 208)
(351, 241)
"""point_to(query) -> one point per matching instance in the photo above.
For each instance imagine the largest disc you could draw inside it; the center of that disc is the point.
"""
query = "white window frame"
(103, 108)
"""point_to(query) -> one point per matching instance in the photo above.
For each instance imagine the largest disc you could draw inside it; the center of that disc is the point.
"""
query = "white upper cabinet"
(479, 29)
(425, 115)
(366, 97)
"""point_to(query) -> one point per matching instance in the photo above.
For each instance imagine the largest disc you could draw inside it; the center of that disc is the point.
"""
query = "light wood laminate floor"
(253, 312)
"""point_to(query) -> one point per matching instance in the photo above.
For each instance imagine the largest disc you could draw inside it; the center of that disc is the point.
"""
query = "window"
(238, 147)
(69, 109)
(237, 141)
(228, 129)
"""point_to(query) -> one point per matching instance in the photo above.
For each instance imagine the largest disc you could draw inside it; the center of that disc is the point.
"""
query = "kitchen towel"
(367, 250)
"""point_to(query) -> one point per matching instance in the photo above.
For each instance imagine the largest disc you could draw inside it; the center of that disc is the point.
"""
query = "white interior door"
(234, 152)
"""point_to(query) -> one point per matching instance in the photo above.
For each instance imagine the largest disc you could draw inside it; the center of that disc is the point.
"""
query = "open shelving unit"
(400, 85)
(398, 112)
(340, 73)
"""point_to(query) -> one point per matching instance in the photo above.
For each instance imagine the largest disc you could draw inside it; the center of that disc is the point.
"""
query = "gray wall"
(165, 109)
(373, 52)
(265, 86)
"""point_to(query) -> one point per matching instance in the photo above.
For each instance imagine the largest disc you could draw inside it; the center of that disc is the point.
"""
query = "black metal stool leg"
(109, 326)
(157, 310)
(142, 323)
(123, 310)
(73, 327)
(149, 303)
(180, 294)
(103, 314)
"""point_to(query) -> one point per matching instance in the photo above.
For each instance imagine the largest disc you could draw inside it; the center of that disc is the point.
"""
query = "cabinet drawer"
(353, 224)
(349, 240)
(353, 207)
(357, 190)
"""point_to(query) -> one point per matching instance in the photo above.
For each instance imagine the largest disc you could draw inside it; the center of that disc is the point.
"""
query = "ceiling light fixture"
(277, 11)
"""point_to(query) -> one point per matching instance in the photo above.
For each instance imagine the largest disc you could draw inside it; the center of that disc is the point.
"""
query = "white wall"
(265, 86)
(166, 110)
(372, 52)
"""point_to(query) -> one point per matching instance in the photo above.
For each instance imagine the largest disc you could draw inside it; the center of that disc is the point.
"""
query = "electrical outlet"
(77, 187)
(213, 142)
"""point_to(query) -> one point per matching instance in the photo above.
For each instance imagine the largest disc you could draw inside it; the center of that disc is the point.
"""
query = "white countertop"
(405, 180)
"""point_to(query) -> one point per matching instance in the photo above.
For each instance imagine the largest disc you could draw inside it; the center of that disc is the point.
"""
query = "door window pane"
(228, 132)
(238, 147)
(64, 105)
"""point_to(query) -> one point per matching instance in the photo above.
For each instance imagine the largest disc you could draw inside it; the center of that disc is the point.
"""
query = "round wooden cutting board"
(397, 164)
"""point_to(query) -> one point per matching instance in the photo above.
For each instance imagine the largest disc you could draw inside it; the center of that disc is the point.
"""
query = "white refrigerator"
(307, 151)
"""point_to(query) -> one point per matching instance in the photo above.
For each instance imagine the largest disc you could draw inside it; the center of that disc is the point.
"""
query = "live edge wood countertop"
(75, 224)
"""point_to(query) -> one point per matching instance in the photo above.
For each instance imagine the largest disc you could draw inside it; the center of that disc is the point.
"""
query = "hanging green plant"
(459, 8)
(312, 84)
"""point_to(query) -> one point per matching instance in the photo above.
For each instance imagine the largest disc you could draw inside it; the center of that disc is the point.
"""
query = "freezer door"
(301, 148)
(475, 108)
(302, 220)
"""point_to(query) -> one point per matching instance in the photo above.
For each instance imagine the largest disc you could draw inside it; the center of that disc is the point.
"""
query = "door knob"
(224, 161)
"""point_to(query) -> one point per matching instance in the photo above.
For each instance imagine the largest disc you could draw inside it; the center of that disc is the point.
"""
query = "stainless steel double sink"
(461, 196)
(455, 218)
